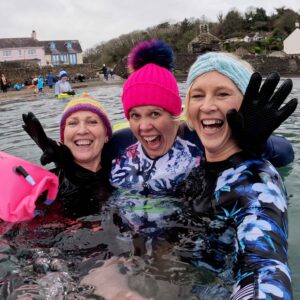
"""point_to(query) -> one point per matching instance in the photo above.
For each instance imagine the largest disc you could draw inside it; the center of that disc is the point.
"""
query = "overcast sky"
(94, 21)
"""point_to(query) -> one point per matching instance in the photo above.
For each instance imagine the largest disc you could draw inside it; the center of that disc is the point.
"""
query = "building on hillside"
(241, 52)
(204, 42)
(291, 45)
(30, 50)
(280, 54)
(63, 52)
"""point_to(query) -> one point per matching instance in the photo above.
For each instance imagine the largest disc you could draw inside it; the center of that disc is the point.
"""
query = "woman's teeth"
(149, 139)
(83, 143)
(217, 123)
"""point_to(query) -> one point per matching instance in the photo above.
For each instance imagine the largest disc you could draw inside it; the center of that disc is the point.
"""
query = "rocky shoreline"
(77, 86)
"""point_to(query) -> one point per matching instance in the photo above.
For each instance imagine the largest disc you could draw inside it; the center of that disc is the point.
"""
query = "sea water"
(44, 260)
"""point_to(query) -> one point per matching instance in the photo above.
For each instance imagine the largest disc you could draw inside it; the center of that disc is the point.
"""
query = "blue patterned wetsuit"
(248, 211)
(136, 172)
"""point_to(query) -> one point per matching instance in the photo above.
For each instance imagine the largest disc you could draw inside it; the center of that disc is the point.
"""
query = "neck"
(222, 155)
(91, 166)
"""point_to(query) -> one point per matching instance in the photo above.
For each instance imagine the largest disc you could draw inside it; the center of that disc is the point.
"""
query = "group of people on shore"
(216, 162)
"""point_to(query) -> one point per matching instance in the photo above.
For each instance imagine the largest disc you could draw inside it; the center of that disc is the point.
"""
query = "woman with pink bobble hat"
(160, 158)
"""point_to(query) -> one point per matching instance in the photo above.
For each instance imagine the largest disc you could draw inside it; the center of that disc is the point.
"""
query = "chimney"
(33, 35)
(297, 24)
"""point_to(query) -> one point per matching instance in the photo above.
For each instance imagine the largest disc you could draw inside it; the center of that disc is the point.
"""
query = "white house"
(291, 45)
(54, 52)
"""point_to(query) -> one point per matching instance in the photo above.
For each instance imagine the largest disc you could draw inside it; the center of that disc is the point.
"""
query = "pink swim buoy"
(21, 184)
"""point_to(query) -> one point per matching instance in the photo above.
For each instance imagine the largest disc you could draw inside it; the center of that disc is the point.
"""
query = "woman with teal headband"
(242, 194)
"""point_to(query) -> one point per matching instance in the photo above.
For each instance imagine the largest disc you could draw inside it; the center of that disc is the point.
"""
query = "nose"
(208, 104)
(82, 128)
(145, 124)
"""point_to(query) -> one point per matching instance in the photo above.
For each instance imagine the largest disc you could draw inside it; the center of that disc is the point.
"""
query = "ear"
(106, 139)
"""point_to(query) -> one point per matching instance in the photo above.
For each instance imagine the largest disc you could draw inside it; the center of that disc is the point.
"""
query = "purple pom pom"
(153, 51)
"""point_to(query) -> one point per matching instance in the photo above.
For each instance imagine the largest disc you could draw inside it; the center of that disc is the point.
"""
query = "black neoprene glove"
(52, 151)
(260, 113)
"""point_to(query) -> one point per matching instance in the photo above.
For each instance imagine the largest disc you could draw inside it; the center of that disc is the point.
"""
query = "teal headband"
(222, 63)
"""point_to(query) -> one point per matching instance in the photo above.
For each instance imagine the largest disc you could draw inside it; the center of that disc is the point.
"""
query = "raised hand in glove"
(260, 113)
(52, 151)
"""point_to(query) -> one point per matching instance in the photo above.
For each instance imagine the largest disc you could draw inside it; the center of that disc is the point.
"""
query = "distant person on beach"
(63, 85)
(50, 80)
(3, 83)
(34, 82)
(105, 71)
(40, 84)
(111, 73)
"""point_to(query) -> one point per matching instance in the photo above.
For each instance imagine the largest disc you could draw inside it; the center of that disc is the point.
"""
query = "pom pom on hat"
(151, 82)
(153, 51)
(84, 102)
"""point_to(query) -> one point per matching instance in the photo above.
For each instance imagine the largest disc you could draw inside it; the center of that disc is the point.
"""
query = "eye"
(197, 96)
(92, 121)
(134, 116)
(223, 94)
(155, 114)
(72, 123)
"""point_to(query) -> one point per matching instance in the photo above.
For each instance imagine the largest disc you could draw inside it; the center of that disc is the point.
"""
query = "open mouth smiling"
(217, 123)
(80, 143)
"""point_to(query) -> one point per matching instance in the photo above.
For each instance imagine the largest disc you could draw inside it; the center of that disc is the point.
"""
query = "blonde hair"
(222, 63)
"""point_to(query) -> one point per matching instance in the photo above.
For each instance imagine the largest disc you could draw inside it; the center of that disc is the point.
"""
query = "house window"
(63, 59)
(73, 59)
(6, 53)
(20, 52)
(69, 45)
(55, 59)
(31, 51)
(52, 45)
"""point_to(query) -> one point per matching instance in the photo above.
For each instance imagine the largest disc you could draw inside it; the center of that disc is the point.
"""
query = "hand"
(52, 151)
(259, 114)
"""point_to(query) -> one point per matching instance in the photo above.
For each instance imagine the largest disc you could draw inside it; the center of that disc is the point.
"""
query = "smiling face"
(154, 128)
(210, 97)
(85, 135)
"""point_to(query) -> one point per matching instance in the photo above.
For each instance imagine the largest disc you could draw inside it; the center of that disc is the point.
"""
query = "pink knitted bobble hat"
(84, 102)
(152, 82)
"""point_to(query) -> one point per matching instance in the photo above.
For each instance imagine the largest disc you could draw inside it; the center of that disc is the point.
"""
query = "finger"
(253, 87)
(31, 115)
(281, 94)
(24, 117)
(287, 110)
(268, 87)
(235, 122)
(25, 129)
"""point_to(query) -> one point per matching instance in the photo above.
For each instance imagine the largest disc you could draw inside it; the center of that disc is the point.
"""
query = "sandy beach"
(25, 92)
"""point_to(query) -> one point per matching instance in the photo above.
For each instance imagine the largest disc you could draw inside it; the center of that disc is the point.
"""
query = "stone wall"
(19, 74)
(284, 65)
(262, 64)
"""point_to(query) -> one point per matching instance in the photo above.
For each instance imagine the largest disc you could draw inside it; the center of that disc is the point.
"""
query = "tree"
(233, 22)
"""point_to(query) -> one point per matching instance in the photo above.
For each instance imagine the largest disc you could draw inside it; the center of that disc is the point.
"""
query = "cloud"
(94, 21)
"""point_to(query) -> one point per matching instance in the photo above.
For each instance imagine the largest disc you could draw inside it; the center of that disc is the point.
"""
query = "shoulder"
(279, 151)
(118, 144)
(252, 183)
